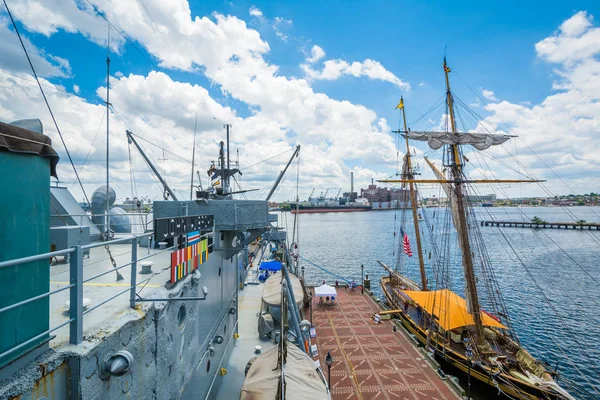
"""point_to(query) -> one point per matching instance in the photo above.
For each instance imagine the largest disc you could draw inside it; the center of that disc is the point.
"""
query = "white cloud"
(334, 69)
(76, 89)
(316, 53)
(286, 110)
(48, 18)
(280, 23)
(575, 41)
(13, 58)
(255, 12)
(489, 94)
(564, 129)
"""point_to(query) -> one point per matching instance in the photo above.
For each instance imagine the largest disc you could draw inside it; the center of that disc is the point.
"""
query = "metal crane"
(327, 191)
(338, 194)
(294, 154)
(167, 189)
(311, 193)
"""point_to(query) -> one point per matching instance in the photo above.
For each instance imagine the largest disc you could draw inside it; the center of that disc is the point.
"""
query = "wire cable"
(46, 101)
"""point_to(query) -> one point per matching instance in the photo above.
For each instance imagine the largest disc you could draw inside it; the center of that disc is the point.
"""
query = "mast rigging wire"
(543, 232)
(91, 148)
(46, 101)
(541, 291)
(534, 280)
(526, 145)
(268, 159)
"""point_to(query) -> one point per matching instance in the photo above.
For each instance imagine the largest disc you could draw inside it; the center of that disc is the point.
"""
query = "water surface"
(549, 278)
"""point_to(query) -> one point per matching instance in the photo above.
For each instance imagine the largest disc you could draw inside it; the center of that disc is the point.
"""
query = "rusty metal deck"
(371, 361)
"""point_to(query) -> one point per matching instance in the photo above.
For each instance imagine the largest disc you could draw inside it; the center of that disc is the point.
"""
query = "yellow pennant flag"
(400, 105)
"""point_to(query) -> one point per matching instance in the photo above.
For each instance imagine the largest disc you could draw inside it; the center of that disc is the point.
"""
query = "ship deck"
(371, 361)
(249, 305)
(98, 290)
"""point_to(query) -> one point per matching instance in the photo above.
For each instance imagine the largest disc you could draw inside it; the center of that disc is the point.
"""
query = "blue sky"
(491, 46)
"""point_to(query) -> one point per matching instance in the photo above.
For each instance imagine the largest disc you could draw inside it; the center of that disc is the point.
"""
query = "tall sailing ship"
(458, 330)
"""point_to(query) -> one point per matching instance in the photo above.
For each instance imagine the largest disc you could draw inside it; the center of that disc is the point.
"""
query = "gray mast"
(227, 126)
(107, 217)
(152, 167)
(193, 159)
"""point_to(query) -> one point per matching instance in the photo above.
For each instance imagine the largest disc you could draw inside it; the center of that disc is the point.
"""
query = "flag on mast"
(406, 243)
(400, 105)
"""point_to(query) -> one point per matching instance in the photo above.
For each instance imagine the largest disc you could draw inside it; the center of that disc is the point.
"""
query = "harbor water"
(549, 278)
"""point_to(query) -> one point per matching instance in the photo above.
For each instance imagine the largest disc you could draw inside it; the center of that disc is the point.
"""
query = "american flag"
(406, 243)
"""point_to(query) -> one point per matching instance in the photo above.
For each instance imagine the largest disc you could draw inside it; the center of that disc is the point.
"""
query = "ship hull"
(320, 210)
(447, 356)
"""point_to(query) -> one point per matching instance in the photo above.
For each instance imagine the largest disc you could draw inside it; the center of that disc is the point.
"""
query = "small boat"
(271, 298)
(301, 378)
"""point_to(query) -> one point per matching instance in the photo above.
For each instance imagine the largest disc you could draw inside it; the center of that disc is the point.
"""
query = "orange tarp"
(450, 308)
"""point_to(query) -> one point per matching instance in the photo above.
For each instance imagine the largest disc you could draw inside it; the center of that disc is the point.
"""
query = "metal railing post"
(76, 296)
(134, 249)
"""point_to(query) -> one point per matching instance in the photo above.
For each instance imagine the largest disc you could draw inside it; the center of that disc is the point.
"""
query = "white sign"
(313, 350)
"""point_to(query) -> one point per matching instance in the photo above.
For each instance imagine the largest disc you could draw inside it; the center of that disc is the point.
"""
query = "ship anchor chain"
(114, 263)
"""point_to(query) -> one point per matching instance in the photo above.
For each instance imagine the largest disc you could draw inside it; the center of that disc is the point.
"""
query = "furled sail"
(480, 141)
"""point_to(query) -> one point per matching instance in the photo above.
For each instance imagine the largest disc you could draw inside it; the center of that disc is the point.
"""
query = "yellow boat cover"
(450, 308)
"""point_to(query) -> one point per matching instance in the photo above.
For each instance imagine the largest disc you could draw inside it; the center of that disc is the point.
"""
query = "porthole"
(224, 329)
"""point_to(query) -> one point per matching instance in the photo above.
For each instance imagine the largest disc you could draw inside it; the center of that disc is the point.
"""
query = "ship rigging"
(459, 331)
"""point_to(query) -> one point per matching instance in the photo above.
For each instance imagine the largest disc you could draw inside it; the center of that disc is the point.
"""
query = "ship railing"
(143, 220)
(76, 282)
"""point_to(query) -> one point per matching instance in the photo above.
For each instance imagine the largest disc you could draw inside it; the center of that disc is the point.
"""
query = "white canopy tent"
(325, 290)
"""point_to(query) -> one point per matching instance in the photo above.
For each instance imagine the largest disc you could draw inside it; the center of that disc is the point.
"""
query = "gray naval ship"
(90, 311)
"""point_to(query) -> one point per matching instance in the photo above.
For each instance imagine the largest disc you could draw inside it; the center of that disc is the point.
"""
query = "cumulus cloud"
(575, 41)
(285, 110)
(13, 59)
(255, 12)
(564, 128)
(489, 94)
(316, 53)
(48, 18)
(334, 69)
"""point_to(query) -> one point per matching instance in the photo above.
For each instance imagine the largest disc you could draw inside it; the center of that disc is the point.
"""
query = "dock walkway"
(543, 225)
(371, 361)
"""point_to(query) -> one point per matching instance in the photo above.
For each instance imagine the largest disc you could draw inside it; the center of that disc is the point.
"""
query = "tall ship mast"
(459, 331)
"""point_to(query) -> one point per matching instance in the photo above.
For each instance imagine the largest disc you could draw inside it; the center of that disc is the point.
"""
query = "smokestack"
(372, 181)
(351, 183)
